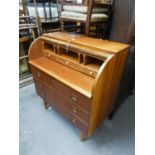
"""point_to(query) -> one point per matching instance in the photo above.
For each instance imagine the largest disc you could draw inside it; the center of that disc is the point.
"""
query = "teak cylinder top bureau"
(78, 76)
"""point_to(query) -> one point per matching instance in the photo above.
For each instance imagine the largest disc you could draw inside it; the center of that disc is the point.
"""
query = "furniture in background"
(28, 31)
(78, 76)
(48, 22)
(94, 16)
(122, 30)
(24, 10)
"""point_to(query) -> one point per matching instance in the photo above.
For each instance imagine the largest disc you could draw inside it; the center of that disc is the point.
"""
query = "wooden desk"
(78, 76)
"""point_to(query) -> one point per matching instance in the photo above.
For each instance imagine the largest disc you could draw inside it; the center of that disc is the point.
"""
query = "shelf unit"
(28, 31)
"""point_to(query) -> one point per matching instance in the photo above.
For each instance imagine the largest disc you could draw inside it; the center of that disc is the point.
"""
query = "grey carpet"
(45, 132)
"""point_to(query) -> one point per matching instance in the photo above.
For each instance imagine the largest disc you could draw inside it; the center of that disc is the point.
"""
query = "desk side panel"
(36, 49)
(105, 89)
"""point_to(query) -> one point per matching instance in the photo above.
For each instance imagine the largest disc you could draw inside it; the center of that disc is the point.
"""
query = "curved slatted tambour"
(105, 89)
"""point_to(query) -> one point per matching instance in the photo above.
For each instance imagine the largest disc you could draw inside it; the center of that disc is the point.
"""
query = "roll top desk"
(78, 76)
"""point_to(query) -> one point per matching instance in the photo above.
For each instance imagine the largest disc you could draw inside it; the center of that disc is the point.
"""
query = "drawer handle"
(38, 74)
(91, 73)
(74, 98)
(74, 120)
(67, 62)
(49, 54)
(74, 110)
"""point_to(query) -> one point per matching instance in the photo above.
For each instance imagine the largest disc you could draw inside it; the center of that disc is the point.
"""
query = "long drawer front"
(52, 99)
(72, 95)
(55, 97)
(71, 104)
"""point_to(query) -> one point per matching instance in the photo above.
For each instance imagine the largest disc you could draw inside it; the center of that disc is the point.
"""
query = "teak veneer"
(78, 76)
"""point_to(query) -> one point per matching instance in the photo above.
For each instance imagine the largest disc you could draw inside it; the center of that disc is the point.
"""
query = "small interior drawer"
(89, 72)
(74, 66)
(71, 64)
(62, 60)
(50, 55)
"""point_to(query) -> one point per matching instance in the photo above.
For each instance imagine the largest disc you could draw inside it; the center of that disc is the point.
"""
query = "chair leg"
(86, 29)
(62, 25)
(111, 115)
(46, 105)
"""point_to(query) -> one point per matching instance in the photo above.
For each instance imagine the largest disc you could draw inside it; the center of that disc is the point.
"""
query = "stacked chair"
(93, 15)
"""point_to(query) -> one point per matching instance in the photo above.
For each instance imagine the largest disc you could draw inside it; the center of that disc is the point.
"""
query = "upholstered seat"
(81, 16)
(80, 13)
(83, 9)
(86, 14)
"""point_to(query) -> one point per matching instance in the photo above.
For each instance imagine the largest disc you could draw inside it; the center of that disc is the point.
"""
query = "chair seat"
(82, 17)
(54, 20)
(44, 1)
(83, 9)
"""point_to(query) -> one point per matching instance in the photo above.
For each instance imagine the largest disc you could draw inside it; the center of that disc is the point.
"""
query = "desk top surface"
(81, 40)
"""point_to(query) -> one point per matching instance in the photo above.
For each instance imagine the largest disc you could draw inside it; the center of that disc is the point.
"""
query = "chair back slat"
(45, 14)
(50, 12)
(46, 21)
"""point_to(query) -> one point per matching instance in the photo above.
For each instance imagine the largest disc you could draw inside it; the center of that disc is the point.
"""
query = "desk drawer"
(72, 95)
(52, 96)
(50, 54)
(71, 118)
(71, 64)
(57, 102)
(88, 72)
(38, 74)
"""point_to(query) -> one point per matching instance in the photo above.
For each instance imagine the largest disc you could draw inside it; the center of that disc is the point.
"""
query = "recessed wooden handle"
(91, 73)
(74, 110)
(73, 98)
(38, 74)
(67, 62)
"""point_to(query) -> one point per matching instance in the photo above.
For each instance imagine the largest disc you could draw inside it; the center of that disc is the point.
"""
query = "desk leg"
(46, 105)
(83, 136)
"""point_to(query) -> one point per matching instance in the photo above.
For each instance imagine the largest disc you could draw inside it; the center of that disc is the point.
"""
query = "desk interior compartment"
(69, 54)
(92, 62)
(49, 47)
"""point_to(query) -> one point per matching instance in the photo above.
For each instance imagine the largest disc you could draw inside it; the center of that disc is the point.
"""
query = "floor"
(45, 132)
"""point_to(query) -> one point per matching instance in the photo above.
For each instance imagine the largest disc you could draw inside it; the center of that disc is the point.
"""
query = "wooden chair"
(47, 23)
(24, 10)
(28, 31)
(87, 9)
